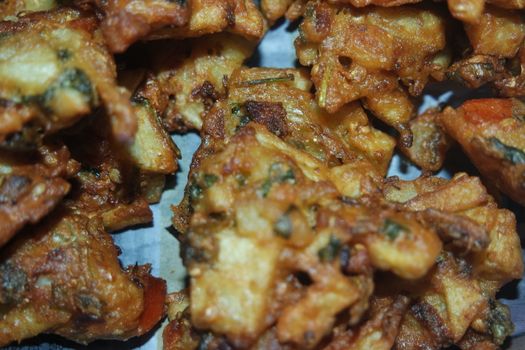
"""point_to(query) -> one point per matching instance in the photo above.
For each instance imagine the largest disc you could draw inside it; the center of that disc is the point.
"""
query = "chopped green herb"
(205, 341)
(245, 119)
(283, 226)
(236, 110)
(302, 36)
(499, 322)
(63, 54)
(392, 229)
(13, 282)
(241, 179)
(287, 77)
(519, 117)
(210, 179)
(265, 188)
(140, 100)
(195, 191)
(512, 154)
(76, 79)
(330, 251)
(71, 78)
(310, 10)
(277, 174)
(92, 170)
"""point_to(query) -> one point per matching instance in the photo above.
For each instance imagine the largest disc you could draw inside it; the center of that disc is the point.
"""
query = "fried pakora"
(492, 134)
(372, 54)
(260, 203)
(458, 297)
(271, 203)
(63, 277)
(277, 189)
(54, 70)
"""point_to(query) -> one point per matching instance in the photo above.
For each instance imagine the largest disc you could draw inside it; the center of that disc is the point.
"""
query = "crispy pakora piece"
(241, 17)
(491, 132)
(63, 277)
(55, 69)
(31, 186)
(262, 200)
(454, 308)
(189, 76)
(372, 54)
(378, 332)
(459, 294)
(289, 218)
(153, 152)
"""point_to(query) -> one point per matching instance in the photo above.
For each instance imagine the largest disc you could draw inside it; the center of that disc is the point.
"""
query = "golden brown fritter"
(262, 207)
(63, 277)
(55, 69)
(482, 253)
(31, 186)
(492, 134)
(261, 200)
(260, 204)
(373, 54)
(240, 17)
